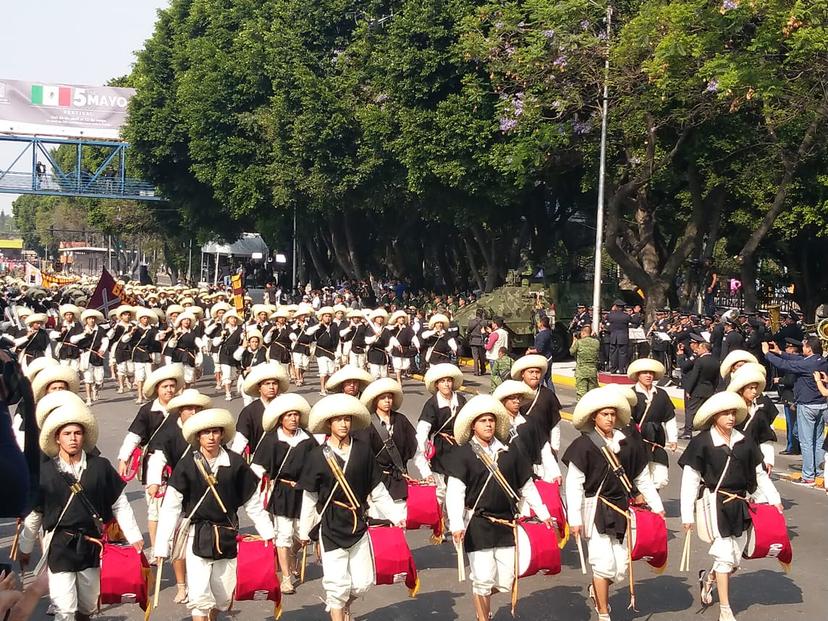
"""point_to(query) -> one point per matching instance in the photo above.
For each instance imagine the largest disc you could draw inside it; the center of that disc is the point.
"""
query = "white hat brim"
(262, 372)
(334, 406)
(380, 387)
(281, 405)
(476, 407)
(529, 361)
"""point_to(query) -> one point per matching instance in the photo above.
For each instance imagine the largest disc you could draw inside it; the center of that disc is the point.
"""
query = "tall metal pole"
(109, 252)
(602, 168)
(294, 249)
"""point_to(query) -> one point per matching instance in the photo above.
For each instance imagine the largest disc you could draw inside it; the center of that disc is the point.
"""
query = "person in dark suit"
(789, 330)
(619, 337)
(717, 338)
(700, 383)
(476, 341)
(733, 339)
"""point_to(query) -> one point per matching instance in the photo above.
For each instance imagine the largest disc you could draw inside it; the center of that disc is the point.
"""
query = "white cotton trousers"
(93, 375)
(727, 553)
(374, 512)
(126, 368)
(327, 366)
(660, 475)
(300, 361)
(71, 363)
(210, 584)
(492, 568)
(356, 360)
(378, 370)
(142, 370)
(347, 573)
(73, 592)
(227, 372)
(287, 529)
(608, 557)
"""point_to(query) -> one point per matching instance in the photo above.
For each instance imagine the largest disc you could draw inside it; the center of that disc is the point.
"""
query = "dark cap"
(697, 338)
(618, 302)
(793, 342)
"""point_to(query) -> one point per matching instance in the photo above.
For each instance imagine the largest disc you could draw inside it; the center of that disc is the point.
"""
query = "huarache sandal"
(706, 582)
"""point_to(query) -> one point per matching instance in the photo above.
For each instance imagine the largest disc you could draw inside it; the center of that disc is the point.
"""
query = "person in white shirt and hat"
(211, 548)
(482, 508)
(440, 342)
(249, 354)
(598, 494)
(212, 330)
(67, 437)
(352, 338)
(93, 343)
(326, 337)
(403, 343)
(68, 352)
(300, 350)
(337, 516)
(377, 337)
(349, 380)
(263, 384)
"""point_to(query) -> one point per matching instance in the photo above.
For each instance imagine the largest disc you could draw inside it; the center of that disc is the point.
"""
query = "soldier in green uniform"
(585, 348)
(501, 367)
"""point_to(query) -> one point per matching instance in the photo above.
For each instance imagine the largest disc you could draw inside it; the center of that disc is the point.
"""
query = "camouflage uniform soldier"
(585, 348)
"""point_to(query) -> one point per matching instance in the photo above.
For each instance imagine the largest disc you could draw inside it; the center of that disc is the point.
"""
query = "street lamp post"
(602, 168)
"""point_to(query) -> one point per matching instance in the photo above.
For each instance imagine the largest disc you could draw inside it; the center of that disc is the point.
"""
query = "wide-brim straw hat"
(37, 365)
(196, 310)
(437, 372)
(340, 308)
(397, 315)
(378, 312)
(303, 310)
(146, 312)
(259, 308)
(626, 391)
(36, 317)
(280, 312)
(355, 313)
(438, 318)
(255, 333)
(69, 308)
(190, 397)
(53, 374)
(52, 401)
(23, 312)
(124, 308)
(380, 387)
(735, 357)
(182, 316)
(231, 313)
(749, 373)
(325, 310)
(336, 405)
(91, 312)
(262, 372)
(511, 388)
(172, 309)
(159, 313)
(599, 399)
(281, 405)
(348, 372)
(646, 364)
(211, 418)
(218, 306)
(72, 412)
(173, 371)
(476, 407)
(720, 402)
(529, 361)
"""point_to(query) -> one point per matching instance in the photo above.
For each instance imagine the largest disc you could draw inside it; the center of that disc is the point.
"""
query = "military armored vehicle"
(520, 302)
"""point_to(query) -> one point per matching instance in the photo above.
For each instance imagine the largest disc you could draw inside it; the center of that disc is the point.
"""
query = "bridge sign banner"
(36, 108)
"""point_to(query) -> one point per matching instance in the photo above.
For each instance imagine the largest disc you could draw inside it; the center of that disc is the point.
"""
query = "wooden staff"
(580, 552)
(304, 564)
(684, 565)
(461, 563)
(158, 568)
(210, 479)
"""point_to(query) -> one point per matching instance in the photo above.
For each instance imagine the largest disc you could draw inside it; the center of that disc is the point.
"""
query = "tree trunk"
(339, 250)
(353, 253)
(472, 259)
(317, 260)
(748, 276)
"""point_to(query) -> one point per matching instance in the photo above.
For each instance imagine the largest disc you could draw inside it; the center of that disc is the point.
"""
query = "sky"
(71, 42)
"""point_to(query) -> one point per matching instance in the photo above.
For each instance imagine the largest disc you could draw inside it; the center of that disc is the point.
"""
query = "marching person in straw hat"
(93, 343)
(68, 435)
(119, 347)
(166, 450)
(655, 416)
(35, 343)
(598, 494)
(749, 383)
(213, 330)
(141, 345)
(377, 337)
(391, 437)
(403, 343)
(278, 338)
(249, 354)
(528, 433)
(349, 380)
(226, 344)
(326, 335)
(440, 342)
(284, 452)
(728, 466)
(185, 345)
(226, 483)
(531, 369)
(490, 502)
(435, 427)
(68, 352)
(54, 378)
(161, 386)
(300, 350)
(263, 384)
(353, 339)
(337, 481)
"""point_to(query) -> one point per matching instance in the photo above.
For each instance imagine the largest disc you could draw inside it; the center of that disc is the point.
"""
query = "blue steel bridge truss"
(21, 175)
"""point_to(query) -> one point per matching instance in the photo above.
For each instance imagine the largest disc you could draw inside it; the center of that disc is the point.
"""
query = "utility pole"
(602, 168)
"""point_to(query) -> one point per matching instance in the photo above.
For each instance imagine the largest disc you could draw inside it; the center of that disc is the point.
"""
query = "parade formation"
(343, 479)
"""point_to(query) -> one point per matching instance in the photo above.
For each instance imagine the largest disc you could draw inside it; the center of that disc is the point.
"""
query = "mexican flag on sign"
(47, 95)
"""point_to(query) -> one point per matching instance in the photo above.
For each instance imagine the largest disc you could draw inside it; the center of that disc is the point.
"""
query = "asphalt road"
(761, 591)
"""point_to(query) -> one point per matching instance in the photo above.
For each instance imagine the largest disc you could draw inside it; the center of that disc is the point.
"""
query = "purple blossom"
(581, 127)
(549, 34)
(560, 62)
(712, 86)
(498, 25)
(507, 125)
(602, 36)
(509, 49)
(729, 5)
(584, 24)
